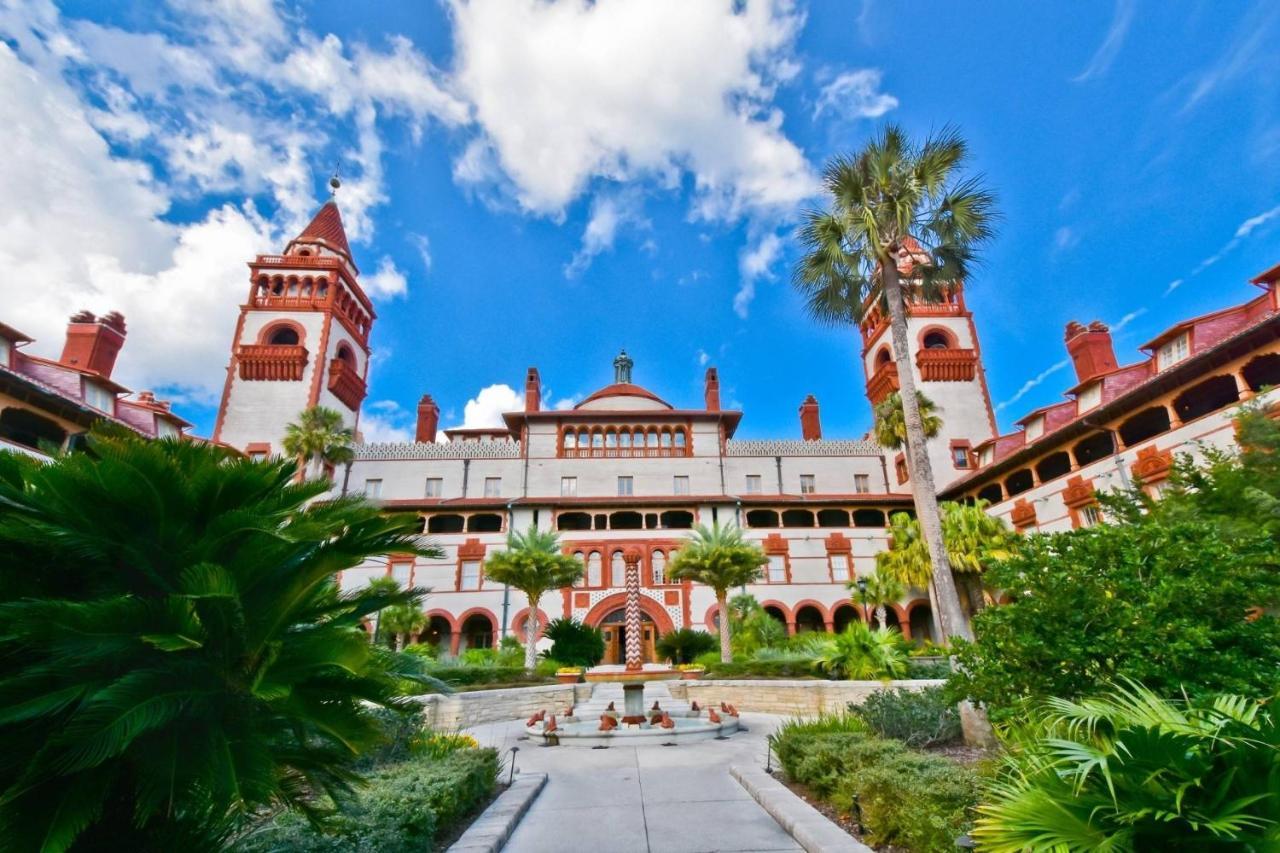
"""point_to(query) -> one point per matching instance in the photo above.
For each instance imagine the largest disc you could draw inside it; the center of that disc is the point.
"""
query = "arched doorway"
(920, 621)
(843, 616)
(438, 633)
(614, 628)
(810, 619)
(476, 632)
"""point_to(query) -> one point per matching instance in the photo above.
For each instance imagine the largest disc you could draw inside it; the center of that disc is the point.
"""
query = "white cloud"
(565, 403)
(1033, 383)
(384, 421)
(568, 93)
(1065, 238)
(1111, 43)
(386, 282)
(754, 263)
(609, 212)
(85, 224)
(1243, 231)
(854, 95)
(703, 358)
(1173, 285)
(1127, 319)
(486, 408)
(423, 245)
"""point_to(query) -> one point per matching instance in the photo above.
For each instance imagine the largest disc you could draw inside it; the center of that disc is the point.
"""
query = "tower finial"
(622, 368)
(334, 184)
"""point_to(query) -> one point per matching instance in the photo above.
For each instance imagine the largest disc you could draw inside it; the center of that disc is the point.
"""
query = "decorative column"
(631, 557)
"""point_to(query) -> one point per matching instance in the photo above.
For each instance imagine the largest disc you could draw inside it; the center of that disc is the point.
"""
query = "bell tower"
(302, 338)
(946, 362)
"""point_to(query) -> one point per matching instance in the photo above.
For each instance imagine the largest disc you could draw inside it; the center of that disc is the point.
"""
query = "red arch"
(952, 341)
(857, 611)
(809, 602)
(904, 615)
(264, 335)
(710, 620)
(517, 623)
(446, 616)
(610, 603)
(786, 611)
(479, 611)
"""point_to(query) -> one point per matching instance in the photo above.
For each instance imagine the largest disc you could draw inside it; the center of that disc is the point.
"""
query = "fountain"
(659, 725)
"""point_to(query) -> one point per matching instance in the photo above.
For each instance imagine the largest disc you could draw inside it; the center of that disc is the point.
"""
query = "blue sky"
(529, 183)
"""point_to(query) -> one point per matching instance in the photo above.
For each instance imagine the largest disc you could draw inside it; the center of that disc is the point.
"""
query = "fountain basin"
(571, 731)
(621, 675)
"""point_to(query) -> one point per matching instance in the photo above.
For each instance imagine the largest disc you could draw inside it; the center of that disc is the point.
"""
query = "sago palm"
(898, 208)
(719, 557)
(174, 651)
(1132, 771)
(535, 564)
(891, 427)
(316, 437)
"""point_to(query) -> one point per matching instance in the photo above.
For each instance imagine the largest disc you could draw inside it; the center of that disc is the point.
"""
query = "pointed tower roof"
(325, 229)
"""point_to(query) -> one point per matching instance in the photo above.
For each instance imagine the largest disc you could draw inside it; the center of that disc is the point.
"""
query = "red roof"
(624, 389)
(326, 228)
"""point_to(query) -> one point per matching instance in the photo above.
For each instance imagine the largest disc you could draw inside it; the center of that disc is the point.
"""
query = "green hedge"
(762, 669)
(465, 676)
(405, 807)
(904, 798)
(919, 718)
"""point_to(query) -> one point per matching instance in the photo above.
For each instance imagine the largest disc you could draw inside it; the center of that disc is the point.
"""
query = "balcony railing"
(272, 362)
(345, 383)
(947, 365)
(883, 382)
(624, 452)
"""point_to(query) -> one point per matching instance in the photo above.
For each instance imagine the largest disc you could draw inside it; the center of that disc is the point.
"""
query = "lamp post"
(862, 596)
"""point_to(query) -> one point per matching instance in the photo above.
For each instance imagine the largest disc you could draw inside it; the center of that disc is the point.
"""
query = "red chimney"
(428, 420)
(1090, 349)
(810, 424)
(94, 342)
(712, 390)
(532, 391)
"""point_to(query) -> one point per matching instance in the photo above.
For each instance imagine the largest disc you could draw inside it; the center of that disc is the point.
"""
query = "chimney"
(810, 424)
(428, 420)
(94, 342)
(712, 390)
(532, 391)
(1090, 349)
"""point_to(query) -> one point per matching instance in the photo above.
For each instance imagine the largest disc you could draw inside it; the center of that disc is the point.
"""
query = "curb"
(490, 831)
(802, 821)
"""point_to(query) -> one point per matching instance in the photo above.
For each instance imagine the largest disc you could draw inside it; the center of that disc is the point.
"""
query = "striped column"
(631, 557)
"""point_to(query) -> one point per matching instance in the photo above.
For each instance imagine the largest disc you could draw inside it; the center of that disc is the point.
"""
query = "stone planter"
(692, 674)
(568, 677)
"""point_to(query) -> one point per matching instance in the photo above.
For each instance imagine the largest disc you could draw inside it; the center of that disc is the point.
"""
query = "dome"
(623, 396)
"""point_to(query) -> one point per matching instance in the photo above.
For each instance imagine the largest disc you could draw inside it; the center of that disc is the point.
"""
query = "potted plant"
(691, 671)
(569, 674)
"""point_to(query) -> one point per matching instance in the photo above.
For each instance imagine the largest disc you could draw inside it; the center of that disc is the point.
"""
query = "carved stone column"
(631, 557)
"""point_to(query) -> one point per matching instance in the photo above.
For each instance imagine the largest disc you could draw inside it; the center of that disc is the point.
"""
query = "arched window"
(659, 560)
(610, 439)
(666, 438)
(624, 438)
(570, 440)
(594, 572)
(584, 440)
(617, 569)
(883, 357)
(936, 340)
(577, 555)
(597, 439)
(345, 355)
(283, 336)
(680, 439)
(1146, 424)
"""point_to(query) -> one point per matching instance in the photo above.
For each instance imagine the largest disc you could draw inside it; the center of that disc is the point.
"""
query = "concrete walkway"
(646, 799)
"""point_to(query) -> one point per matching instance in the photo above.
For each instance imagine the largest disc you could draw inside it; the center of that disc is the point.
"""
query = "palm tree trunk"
(531, 634)
(726, 644)
(949, 612)
(880, 616)
(399, 641)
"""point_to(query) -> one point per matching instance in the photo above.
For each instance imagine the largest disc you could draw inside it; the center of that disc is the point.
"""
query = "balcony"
(346, 384)
(882, 383)
(271, 362)
(947, 365)
(625, 452)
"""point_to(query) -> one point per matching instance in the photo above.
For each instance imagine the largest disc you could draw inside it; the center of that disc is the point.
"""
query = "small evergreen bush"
(573, 643)
(684, 644)
(919, 718)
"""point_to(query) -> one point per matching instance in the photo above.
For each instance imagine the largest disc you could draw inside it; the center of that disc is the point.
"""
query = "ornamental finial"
(334, 184)
(622, 368)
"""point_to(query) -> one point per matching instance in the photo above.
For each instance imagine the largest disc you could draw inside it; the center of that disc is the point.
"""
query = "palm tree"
(401, 620)
(891, 427)
(534, 564)
(973, 540)
(898, 208)
(882, 589)
(318, 436)
(858, 653)
(183, 659)
(720, 558)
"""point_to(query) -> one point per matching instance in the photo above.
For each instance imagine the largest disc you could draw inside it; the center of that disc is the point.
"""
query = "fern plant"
(1130, 771)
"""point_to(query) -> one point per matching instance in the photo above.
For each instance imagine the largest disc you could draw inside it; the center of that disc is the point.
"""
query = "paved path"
(647, 799)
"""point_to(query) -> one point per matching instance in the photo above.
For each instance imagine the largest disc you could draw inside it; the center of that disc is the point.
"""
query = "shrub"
(858, 653)
(573, 643)
(911, 800)
(546, 667)
(783, 667)
(1160, 603)
(708, 660)
(438, 745)
(426, 651)
(919, 718)
(404, 808)
(400, 731)
(1132, 771)
(684, 644)
(465, 676)
(927, 669)
(510, 652)
(479, 657)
